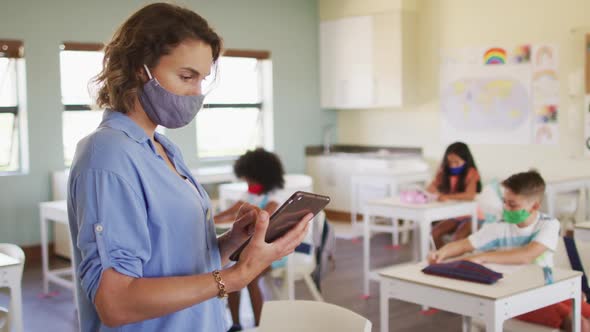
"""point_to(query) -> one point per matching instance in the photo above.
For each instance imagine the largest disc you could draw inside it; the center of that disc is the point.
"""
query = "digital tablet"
(288, 215)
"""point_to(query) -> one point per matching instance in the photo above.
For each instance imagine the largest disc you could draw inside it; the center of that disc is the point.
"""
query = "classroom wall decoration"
(500, 95)
(521, 54)
(495, 56)
(545, 95)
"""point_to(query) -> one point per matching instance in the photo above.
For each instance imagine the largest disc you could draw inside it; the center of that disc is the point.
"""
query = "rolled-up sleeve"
(112, 227)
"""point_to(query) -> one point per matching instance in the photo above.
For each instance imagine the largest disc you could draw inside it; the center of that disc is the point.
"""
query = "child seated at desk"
(524, 236)
(456, 179)
(263, 171)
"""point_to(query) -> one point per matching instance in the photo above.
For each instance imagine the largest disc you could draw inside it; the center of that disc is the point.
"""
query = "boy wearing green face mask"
(524, 236)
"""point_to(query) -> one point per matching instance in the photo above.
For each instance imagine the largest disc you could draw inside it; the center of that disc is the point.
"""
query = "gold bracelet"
(220, 284)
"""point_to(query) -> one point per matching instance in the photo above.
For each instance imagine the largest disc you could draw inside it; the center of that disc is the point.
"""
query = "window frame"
(264, 106)
(77, 47)
(14, 49)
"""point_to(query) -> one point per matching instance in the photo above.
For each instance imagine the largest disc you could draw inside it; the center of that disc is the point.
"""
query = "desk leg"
(466, 323)
(474, 221)
(74, 277)
(494, 324)
(44, 254)
(424, 226)
(366, 252)
(577, 313)
(16, 307)
(384, 306)
(415, 241)
(353, 205)
(395, 235)
(290, 278)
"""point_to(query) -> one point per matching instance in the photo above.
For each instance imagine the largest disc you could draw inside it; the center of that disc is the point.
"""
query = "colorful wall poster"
(500, 95)
(495, 56)
(545, 88)
(491, 105)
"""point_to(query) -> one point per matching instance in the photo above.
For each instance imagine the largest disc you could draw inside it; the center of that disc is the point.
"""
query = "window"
(12, 110)
(236, 116)
(79, 64)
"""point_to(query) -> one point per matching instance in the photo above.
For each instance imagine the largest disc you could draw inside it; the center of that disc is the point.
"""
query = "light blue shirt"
(128, 211)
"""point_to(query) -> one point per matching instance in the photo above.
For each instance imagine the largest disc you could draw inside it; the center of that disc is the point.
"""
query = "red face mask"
(255, 188)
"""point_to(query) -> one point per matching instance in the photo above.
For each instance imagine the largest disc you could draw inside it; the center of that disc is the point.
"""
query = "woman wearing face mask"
(145, 247)
(456, 179)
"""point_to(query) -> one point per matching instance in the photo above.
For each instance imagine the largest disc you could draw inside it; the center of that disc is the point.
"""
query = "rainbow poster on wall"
(495, 56)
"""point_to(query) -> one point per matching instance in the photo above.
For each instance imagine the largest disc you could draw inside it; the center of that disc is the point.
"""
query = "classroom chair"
(303, 265)
(10, 285)
(309, 316)
(566, 210)
(3, 320)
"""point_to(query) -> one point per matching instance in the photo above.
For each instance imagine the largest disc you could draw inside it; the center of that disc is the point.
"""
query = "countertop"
(365, 150)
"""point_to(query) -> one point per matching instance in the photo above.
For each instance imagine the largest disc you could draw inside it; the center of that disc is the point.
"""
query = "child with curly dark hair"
(263, 171)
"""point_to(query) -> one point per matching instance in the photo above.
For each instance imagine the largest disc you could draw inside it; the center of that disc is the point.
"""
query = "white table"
(380, 181)
(582, 231)
(517, 293)
(558, 185)
(423, 215)
(55, 211)
(10, 277)
(214, 174)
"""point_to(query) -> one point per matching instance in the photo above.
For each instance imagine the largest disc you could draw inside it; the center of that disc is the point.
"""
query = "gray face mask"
(166, 108)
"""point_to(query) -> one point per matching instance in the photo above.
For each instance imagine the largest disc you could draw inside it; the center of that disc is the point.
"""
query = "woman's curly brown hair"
(144, 38)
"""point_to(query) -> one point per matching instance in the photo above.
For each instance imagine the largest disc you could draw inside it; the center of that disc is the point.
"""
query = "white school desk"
(9, 267)
(519, 292)
(421, 214)
(55, 211)
(391, 181)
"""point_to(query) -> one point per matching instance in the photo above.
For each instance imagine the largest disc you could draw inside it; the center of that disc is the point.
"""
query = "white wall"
(457, 23)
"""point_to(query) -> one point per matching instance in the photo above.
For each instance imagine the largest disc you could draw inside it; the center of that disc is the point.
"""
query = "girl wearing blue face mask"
(146, 254)
(456, 179)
